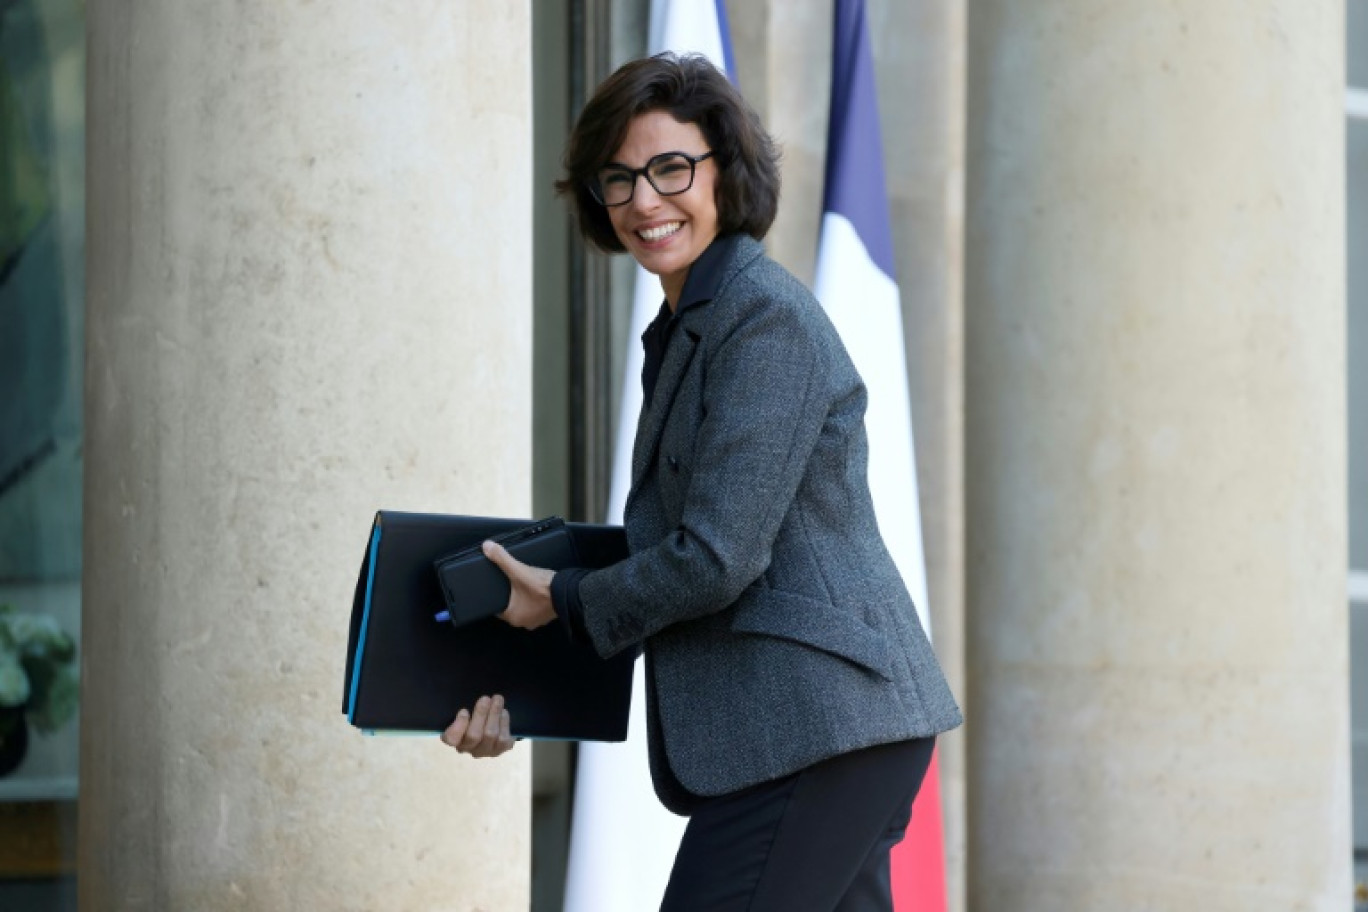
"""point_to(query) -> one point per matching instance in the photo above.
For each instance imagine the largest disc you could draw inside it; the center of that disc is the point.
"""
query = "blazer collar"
(707, 272)
(715, 268)
(712, 272)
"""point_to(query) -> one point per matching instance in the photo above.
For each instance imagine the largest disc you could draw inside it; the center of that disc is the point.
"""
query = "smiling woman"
(692, 94)
(668, 223)
(757, 583)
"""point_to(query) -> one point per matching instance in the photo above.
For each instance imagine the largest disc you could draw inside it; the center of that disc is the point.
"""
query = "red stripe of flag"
(918, 862)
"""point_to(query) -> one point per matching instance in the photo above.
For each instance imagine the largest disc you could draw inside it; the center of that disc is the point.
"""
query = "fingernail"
(463, 713)
(488, 547)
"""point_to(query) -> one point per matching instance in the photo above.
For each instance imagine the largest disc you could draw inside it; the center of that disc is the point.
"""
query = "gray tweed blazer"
(777, 630)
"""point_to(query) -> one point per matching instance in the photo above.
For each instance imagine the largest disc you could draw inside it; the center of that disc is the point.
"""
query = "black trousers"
(815, 841)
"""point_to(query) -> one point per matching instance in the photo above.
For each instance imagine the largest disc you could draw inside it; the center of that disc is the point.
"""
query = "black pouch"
(475, 588)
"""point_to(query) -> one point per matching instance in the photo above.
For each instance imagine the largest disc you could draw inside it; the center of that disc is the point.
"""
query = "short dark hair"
(691, 90)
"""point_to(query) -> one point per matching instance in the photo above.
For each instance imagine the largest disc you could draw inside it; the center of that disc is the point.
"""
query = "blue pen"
(443, 617)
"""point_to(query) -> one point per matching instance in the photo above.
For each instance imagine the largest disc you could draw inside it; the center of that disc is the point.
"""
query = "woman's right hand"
(483, 732)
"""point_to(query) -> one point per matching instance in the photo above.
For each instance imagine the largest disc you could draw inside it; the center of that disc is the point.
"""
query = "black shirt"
(700, 287)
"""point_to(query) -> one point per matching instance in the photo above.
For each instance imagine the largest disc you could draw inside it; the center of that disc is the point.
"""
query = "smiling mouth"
(659, 232)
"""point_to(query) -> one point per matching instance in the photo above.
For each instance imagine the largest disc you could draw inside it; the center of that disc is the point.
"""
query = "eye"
(614, 179)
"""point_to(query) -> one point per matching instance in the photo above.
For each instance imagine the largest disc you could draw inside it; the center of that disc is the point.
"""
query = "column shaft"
(1156, 456)
(309, 298)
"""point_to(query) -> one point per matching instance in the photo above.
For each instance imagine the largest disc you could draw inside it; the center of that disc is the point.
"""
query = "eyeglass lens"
(669, 174)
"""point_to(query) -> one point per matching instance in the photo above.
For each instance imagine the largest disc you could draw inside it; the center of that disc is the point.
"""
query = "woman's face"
(665, 234)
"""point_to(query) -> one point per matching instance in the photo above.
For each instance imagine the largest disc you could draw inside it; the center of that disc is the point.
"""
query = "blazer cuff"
(565, 598)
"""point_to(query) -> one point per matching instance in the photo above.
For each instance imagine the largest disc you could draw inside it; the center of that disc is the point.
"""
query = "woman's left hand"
(529, 604)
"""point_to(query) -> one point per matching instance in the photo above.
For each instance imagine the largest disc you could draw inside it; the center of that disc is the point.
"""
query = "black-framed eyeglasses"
(670, 173)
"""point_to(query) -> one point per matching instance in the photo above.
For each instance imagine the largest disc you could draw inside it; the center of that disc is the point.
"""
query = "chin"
(654, 264)
(665, 267)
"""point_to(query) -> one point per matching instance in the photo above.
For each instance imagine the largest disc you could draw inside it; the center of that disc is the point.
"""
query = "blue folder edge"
(365, 623)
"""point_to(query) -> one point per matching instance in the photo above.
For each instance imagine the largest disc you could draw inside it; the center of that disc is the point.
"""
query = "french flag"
(622, 841)
(855, 283)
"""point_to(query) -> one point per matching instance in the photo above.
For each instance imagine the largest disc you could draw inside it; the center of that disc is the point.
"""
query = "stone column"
(309, 297)
(1156, 456)
(783, 63)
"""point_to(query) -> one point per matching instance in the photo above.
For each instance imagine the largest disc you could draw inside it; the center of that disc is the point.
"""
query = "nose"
(644, 196)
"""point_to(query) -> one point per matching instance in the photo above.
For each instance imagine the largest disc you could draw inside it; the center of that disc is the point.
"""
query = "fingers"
(509, 564)
(485, 732)
(489, 744)
(500, 557)
(505, 731)
(473, 742)
(497, 737)
(468, 728)
(455, 732)
(529, 598)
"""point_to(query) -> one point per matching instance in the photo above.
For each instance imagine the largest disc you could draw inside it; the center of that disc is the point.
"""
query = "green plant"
(37, 668)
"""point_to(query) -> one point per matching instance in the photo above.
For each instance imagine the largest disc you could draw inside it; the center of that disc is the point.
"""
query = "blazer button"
(674, 463)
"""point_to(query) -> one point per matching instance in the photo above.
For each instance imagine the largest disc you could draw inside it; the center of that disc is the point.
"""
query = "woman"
(793, 697)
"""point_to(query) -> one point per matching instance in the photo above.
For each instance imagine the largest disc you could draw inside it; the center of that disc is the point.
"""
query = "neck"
(673, 285)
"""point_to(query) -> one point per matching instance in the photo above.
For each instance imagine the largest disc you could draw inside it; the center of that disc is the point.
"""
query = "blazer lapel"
(692, 326)
(653, 414)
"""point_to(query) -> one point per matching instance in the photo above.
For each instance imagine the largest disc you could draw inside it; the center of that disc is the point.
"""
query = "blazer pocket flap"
(814, 623)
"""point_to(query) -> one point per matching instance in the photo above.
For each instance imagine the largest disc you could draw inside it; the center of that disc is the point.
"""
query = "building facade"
(315, 268)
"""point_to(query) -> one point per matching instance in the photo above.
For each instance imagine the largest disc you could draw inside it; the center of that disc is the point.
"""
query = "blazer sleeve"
(766, 397)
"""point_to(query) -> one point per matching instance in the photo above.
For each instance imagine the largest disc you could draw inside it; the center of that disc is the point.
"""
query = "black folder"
(407, 671)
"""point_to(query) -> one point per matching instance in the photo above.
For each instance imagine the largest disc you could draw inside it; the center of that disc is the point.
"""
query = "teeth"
(658, 232)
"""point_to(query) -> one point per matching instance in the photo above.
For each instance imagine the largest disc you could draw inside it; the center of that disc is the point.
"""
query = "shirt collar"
(705, 275)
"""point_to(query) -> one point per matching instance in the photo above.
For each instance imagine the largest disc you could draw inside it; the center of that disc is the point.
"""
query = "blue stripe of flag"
(728, 58)
(855, 185)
